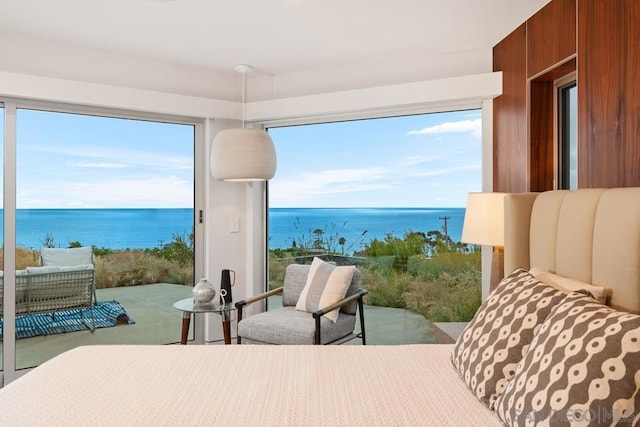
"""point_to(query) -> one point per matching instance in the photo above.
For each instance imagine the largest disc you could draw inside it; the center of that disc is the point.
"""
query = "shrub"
(139, 267)
(386, 290)
(450, 262)
(180, 249)
(277, 267)
(447, 297)
(413, 243)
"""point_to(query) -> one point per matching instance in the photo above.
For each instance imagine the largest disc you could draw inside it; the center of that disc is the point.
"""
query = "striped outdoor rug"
(106, 314)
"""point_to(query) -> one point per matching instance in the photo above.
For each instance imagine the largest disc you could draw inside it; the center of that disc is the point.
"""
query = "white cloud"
(419, 160)
(160, 192)
(309, 189)
(125, 157)
(473, 127)
(446, 171)
(100, 165)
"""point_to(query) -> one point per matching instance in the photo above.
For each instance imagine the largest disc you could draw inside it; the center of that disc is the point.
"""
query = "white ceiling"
(275, 36)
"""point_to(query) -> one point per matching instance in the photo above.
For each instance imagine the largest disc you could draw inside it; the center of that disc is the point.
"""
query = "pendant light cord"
(244, 97)
(244, 70)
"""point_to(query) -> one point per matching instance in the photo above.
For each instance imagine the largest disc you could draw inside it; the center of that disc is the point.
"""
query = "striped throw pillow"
(326, 284)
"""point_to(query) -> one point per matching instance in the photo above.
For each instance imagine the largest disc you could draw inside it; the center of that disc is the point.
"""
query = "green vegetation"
(444, 287)
(427, 273)
(172, 263)
(325, 240)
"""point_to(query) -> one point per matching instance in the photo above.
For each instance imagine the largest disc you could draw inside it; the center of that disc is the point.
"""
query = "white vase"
(203, 292)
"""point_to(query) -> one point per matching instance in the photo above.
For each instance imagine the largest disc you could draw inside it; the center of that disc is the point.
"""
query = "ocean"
(299, 224)
(149, 228)
(108, 228)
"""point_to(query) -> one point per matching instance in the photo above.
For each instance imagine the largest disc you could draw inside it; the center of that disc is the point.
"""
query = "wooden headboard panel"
(591, 235)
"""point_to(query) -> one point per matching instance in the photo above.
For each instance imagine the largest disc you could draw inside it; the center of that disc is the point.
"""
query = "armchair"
(287, 325)
(63, 257)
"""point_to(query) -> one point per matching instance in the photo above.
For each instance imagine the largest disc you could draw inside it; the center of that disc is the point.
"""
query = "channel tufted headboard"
(591, 235)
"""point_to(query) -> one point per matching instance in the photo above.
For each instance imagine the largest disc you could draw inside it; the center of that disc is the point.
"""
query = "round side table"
(188, 307)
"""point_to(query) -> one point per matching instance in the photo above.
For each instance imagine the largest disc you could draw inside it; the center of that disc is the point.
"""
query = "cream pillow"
(326, 284)
(569, 285)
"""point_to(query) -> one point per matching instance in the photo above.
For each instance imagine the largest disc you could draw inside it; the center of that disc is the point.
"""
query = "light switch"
(234, 225)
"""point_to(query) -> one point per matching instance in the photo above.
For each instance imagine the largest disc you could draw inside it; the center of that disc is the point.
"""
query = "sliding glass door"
(121, 187)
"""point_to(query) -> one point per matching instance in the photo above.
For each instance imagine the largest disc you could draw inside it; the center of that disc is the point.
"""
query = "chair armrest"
(258, 297)
(240, 304)
(322, 311)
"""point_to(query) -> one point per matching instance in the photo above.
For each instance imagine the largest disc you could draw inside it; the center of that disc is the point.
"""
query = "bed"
(577, 242)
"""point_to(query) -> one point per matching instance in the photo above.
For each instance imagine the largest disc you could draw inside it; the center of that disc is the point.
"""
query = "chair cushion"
(326, 284)
(296, 277)
(287, 325)
(294, 280)
(59, 269)
(67, 256)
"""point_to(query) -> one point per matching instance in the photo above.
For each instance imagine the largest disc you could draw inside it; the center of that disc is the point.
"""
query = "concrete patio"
(157, 322)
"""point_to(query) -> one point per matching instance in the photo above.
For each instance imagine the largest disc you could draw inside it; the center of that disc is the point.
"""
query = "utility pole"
(445, 228)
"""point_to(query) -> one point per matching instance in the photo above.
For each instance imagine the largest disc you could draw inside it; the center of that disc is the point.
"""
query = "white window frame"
(484, 105)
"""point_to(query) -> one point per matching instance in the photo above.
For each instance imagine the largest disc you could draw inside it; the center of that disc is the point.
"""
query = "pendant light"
(243, 154)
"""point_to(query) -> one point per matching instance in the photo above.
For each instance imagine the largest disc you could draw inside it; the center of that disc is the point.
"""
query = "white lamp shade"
(243, 154)
(484, 219)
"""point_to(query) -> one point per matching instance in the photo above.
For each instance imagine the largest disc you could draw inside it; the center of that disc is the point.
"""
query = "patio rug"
(106, 314)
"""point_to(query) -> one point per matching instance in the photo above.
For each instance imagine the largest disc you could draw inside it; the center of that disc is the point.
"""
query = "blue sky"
(430, 160)
(77, 161)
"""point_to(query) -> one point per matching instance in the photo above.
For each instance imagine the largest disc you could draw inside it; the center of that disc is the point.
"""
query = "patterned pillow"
(497, 338)
(583, 367)
(326, 284)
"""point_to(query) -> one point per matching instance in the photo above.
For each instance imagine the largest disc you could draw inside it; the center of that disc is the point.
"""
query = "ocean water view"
(289, 224)
(108, 228)
(149, 228)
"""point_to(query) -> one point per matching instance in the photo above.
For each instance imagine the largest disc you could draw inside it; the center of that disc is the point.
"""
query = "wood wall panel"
(541, 141)
(608, 93)
(510, 114)
(551, 36)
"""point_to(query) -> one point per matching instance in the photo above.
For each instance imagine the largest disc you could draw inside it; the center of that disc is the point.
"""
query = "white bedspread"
(346, 385)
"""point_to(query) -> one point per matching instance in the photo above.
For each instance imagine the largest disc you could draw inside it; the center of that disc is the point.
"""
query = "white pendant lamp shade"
(243, 154)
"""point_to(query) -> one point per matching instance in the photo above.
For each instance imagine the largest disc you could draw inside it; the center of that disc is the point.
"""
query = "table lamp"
(484, 225)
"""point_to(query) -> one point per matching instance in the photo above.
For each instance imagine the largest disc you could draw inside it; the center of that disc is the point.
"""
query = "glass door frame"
(11, 105)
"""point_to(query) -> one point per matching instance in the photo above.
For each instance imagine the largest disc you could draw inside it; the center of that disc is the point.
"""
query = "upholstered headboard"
(591, 235)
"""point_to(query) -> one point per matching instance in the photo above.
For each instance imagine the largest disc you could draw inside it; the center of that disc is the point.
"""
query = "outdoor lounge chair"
(65, 257)
(65, 280)
(286, 325)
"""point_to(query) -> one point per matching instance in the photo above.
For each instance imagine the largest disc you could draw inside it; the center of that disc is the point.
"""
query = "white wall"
(40, 57)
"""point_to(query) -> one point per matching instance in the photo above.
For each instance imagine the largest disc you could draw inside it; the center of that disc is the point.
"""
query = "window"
(124, 186)
(387, 195)
(567, 144)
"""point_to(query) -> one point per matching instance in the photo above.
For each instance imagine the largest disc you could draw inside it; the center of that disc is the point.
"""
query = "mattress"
(245, 385)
